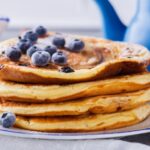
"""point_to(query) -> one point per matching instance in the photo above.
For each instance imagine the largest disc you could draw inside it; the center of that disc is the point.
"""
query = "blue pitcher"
(112, 26)
(139, 29)
(137, 32)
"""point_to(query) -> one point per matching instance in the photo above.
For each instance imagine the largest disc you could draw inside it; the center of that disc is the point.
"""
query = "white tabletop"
(14, 143)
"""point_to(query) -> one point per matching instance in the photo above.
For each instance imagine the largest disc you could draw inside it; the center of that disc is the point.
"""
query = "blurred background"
(73, 16)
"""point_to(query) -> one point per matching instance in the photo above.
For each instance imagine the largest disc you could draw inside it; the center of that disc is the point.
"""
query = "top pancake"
(99, 59)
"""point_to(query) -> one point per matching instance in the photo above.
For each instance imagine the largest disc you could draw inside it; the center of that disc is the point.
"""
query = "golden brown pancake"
(99, 59)
(96, 105)
(87, 123)
(57, 93)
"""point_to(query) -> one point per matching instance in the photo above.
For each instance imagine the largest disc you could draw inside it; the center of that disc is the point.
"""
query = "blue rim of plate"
(69, 136)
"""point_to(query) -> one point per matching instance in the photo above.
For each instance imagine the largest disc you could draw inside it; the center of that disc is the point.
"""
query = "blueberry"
(40, 58)
(8, 119)
(58, 41)
(23, 45)
(51, 49)
(75, 45)
(13, 53)
(59, 58)
(66, 69)
(30, 35)
(32, 50)
(40, 30)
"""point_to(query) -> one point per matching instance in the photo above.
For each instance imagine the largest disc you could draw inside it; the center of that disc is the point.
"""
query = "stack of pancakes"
(112, 94)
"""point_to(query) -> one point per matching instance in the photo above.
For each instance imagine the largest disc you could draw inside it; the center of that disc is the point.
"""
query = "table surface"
(14, 143)
(143, 138)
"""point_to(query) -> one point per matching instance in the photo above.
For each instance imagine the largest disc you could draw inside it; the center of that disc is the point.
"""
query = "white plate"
(143, 127)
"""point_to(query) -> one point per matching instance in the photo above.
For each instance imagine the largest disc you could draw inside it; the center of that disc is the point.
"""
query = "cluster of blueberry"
(27, 40)
(42, 57)
(7, 119)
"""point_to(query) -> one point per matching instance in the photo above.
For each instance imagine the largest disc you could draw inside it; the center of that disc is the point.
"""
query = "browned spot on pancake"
(123, 90)
(119, 108)
(23, 64)
(102, 123)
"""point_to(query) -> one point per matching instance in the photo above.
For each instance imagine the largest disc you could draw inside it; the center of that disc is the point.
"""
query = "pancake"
(99, 59)
(84, 123)
(57, 93)
(96, 105)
